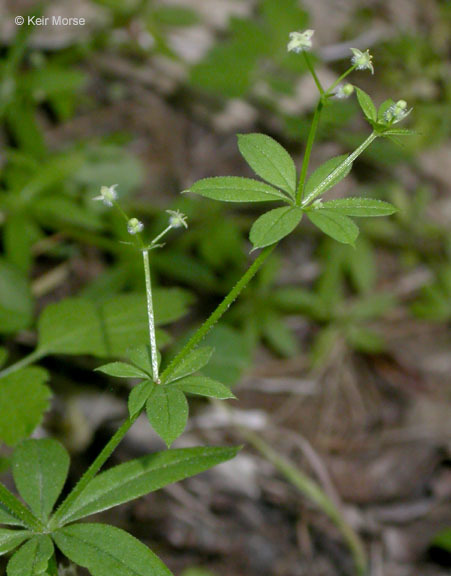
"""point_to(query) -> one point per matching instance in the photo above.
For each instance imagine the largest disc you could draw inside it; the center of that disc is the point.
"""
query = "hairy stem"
(151, 317)
(220, 310)
(58, 518)
(313, 492)
(308, 151)
(338, 170)
(61, 512)
(15, 507)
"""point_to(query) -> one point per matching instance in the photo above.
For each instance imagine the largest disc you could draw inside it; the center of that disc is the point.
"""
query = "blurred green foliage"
(47, 218)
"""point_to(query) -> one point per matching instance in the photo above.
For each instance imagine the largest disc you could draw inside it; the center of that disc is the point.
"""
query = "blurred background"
(340, 357)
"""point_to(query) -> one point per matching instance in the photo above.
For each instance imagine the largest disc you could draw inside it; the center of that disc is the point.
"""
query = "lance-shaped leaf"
(366, 104)
(269, 160)
(141, 357)
(138, 477)
(7, 518)
(79, 326)
(236, 189)
(337, 226)
(360, 207)
(40, 470)
(138, 396)
(24, 398)
(10, 539)
(121, 370)
(204, 386)
(195, 361)
(32, 558)
(108, 551)
(167, 411)
(325, 177)
(274, 225)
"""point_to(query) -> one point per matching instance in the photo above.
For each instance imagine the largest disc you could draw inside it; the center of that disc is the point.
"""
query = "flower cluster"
(362, 60)
(300, 41)
(397, 112)
(108, 195)
(344, 91)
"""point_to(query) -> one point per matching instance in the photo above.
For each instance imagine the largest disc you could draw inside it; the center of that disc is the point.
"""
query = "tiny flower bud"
(343, 92)
(135, 226)
(397, 112)
(362, 60)
(177, 219)
(317, 204)
(108, 195)
(300, 41)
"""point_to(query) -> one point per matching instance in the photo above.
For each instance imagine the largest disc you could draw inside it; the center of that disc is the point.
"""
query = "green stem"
(340, 79)
(220, 310)
(58, 518)
(324, 185)
(312, 72)
(308, 151)
(25, 361)
(313, 492)
(151, 318)
(18, 510)
(61, 512)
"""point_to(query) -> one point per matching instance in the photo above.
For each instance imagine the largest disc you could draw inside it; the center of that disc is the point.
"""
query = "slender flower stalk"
(151, 317)
(340, 79)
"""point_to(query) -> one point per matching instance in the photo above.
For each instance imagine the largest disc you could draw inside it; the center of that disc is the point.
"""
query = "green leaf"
(383, 109)
(79, 326)
(337, 226)
(141, 357)
(204, 386)
(108, 551)
(3, 356)
(399, 132)
(7, 518)
(195, 361)
(23, 400)
(40, 470)
(233, 354)
(138, 477)
(236, 189)
(16, 306)
(274, 225)
(269, 160)
(443, 539)
(70, 327)
(167, 411)
(322, 180)
(360, 207)
(32, 558)
(10, 539)
(365, 340)
(366, 104)
(138, 396)
(122, 370)
(279, 337)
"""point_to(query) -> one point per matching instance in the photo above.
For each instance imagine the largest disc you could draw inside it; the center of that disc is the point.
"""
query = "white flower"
(397, 112)
(344, 91)
(108, 195)
(362, 60)
(300, 41)
(135, 226)
(177, 219)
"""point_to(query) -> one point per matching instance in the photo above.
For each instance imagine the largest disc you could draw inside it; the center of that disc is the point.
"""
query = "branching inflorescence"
(40, 466)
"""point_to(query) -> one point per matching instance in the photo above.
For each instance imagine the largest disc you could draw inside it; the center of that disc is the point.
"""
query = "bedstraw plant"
(34, 527)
